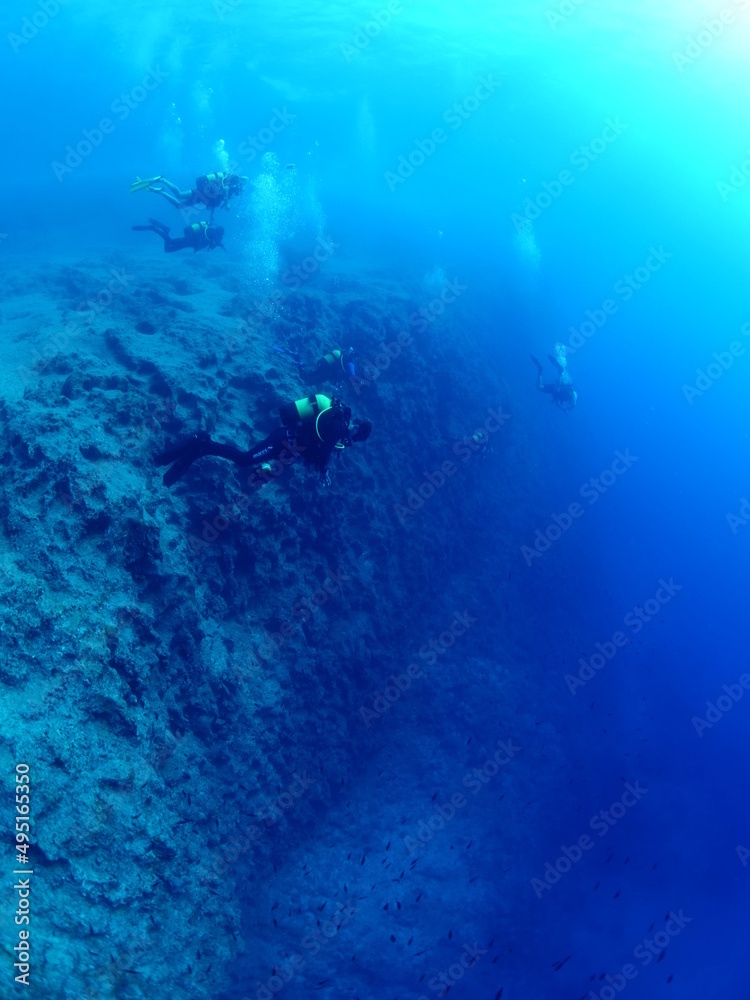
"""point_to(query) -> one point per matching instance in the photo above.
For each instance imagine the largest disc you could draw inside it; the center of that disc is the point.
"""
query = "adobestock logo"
(582, 158)
(724, 703)
(722, 362)
(474, 780)
(31, 26)
(633, 620)
(564, 10)
(428, 652)
(465, 449)
(625, 288)
(445, 981)
(601, 824)
(711, 29)
(122, 106)
(596, 487)
(455, 116)
(648, 950)
(364, 35)
(737, 521)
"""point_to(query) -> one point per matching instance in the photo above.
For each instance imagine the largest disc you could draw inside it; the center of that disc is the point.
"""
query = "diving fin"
(142, 185)
(179, 468)
(180, 457)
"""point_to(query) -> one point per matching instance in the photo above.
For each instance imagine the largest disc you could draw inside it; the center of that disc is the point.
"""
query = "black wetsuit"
(331, 371)
(311, 440)
(562, 391)
(198, 237)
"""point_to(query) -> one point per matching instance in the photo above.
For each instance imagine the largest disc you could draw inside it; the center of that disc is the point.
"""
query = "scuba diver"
(481, 443)
(198, 236)
(312, 428)
(561, 390)
(329, 368)
(212, 190)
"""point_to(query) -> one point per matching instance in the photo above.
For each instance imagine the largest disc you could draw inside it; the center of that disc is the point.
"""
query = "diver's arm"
(334, 433)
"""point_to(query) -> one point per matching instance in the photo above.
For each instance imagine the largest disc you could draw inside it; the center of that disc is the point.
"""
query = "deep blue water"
(648, 194)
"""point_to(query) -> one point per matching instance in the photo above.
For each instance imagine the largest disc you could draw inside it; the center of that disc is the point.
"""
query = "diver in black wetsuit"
(199, 236)
(561, 390)
(333, 366)
(312, 428)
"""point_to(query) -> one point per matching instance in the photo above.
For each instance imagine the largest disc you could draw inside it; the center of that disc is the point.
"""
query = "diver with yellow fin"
(312, 428)
(212, 190)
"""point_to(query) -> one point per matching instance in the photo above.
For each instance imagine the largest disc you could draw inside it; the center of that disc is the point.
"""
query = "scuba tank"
(315, 408)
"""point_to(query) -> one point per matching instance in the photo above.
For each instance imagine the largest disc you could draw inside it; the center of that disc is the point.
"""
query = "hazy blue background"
(656, 185)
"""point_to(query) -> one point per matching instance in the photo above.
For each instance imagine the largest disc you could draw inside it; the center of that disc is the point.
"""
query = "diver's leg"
(539, 369)
(556, 363)
(172, 245)
(181, 456)
(174, 189)
(265, 451)
(177, 202)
